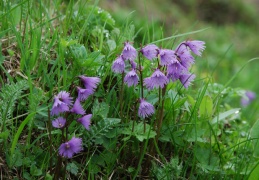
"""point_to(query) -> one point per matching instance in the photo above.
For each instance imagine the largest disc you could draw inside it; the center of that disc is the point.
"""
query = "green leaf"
(66, 43)
(254, 133)
(19, 131)
(100, 109)
(4, 135)
(191, 100)
(207, 159)
(72, 168)
(35, 171)
(206, 106)
(111, 44)
(139, 131)
(254, 175)
(223, 115)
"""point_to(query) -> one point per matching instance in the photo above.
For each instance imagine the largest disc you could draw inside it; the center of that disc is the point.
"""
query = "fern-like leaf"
(101, 129)
(8, 97)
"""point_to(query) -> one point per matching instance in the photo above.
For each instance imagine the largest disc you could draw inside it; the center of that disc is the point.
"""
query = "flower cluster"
(173, 65)
(63, 104)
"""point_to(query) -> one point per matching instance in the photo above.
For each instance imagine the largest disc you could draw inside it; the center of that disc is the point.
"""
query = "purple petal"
(129, 52)
(85, 121)
(196, 46)
(186, 79)
(150, 51)
(59, 122)
(77, 108)
(68, 149)
(118, 65)
(145, 109)
(131, 78)
(167, 57)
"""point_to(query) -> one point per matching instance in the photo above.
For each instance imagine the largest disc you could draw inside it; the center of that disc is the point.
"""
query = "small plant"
(67, 113)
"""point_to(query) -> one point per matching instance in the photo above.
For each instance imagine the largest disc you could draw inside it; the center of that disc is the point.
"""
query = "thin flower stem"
(141, 76)
(161, 114)
(50, 142)
(141, 84)
(121, 95)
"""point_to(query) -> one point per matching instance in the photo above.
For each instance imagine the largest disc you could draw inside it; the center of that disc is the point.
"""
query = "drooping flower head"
(184, 56)
(62, 102)
(83, 94)
(131, 78)
(145, 109)
(248, 97)
(196, 46)
(90, 82)
(167, 56)
(186, 79)
(129, 52)
(118, 65)
(85, 121)
(59, 122)
(150, 51)
(73, 146)
(157, 79)
(174, 71)
(77, 108)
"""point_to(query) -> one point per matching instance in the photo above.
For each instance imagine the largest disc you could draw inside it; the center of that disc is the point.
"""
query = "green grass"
(205, 133)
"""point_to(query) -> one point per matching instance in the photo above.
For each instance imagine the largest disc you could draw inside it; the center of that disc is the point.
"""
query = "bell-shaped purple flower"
(248, 97)
(167, 57)
(186, 59)
(145, 109)
(73, 146)
(85, 121)
(150, 51)
(90, 82)
(174, 71)
(83, 94)
(129, 52)
(118, 65)
(62, 102)
(59, 122)
(77, 108)
(186, 79)
(196, 46)
(131, 78)
(157, 79)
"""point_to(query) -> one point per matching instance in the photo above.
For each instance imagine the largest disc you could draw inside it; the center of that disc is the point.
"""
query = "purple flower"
(174, 71)
(73, 146)
(85, 121)
(248, 97)
(150, 51)
(62, 101)
(118, 65)
(196, 46)
(77, 108)
(59, 122)
(131, 78)
(157, 79)
(186, 79)
(129, 52)
(145, 109)
(167, 56)
(185, 58)
(83, 94)
(90, 82)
